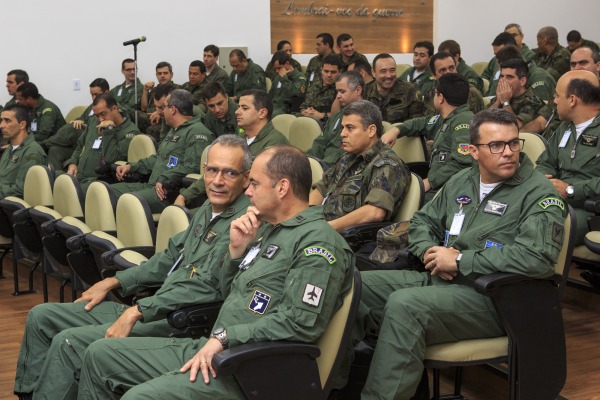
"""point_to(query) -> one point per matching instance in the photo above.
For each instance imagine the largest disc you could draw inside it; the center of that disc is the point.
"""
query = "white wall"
(58, 41)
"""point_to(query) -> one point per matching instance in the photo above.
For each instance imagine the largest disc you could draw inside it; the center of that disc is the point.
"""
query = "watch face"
(218, 331)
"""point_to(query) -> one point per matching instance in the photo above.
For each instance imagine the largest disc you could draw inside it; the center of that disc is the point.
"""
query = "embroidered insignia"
(259, 303)
(463, 149)
(312, 295)
(552, 201)
(320, 251)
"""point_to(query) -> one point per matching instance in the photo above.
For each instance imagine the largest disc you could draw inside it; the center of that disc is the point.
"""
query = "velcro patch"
(495, 207)
(200, 137)
(172, 162)
(320, 251)
(461, 126)
(433, 120)
(45, 110)
(489, 243)
(259, 303)
(385, 161)
(463, 149)
(551, 201)
(312, 295)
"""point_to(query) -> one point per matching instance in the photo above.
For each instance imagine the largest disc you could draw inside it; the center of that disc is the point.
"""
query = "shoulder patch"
(463, 149)
(259, 302)
(433, 120)
(536, 84)
(200, 137)
(320, 251)
(45, 110)
(385, 161)
(129, 135)
(552, 201)
(461, 126)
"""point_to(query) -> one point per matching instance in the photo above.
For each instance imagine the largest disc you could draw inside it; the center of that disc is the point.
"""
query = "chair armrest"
(108, 257)
(592, 205)
(77, 242)
(21, 216)
(490, 284)
(49, 227)
(228, 361)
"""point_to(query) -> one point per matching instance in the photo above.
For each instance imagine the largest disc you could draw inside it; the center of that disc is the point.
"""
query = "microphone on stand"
(135, 41)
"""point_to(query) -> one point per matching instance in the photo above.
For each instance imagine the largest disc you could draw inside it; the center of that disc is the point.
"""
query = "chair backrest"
(317, 170)
(479, 67)
(135, 226)
(486, 87)
(141, 146)
(410, 149)
(534, 145)
(413, 200)
(400, 68)
(268, 84)
(100, 206)
(337, 336)
(303, 132)
(386, 126)
(173, 219)
(68, 196)
(203, 158)
(38, 186)
(75, 112)
(283, 122)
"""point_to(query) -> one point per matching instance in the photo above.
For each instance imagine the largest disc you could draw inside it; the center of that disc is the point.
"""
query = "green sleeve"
(415, 126)
(79, 147)
(46, 125)
(115, 144)
(196, 142)
(229, 86)
(31, 157)
(195, 190)
(145, 165)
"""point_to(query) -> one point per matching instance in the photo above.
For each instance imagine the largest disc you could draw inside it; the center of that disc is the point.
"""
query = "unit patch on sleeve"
(552, 201)
(312, 295)
(259, 303)
(463, 149)
(320, 251)
(172, 162)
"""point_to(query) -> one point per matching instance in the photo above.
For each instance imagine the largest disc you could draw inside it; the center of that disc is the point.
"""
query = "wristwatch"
(506, 103)
(458, 258)
(221, 335)
(570, 191)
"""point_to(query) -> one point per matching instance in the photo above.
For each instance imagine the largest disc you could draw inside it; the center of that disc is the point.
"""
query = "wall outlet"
(76, 84)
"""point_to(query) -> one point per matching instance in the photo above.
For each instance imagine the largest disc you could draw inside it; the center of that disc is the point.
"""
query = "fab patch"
(461, 126)
(270, 252)
(312, 295)
(200, 137)
(463, 149)
(259, 303)
(433, 120)
(494, 207)
(172, 162)
(443, 156)
(209, 237)
(46, 110)
(552, 201)
(320, 251)
(489, 243)
(589, 140)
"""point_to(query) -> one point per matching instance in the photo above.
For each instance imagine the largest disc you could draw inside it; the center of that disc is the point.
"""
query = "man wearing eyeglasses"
(177, 155)
(124, 93)
(188, 272)
(105, 141)
(500, 209)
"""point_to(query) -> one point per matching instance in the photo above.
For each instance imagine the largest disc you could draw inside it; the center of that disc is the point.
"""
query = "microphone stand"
(135, 83)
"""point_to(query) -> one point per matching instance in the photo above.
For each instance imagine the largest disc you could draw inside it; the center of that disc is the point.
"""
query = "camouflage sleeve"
(388, 185)
(415, 109)
(528, 109)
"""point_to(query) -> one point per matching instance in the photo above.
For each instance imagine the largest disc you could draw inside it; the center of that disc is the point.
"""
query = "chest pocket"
(350, 195)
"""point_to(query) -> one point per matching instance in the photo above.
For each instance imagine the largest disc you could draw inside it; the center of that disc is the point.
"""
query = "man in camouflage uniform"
(350, 87)
(449, 131)
(452, 47)
(348, 55)
(214, 73)
(420, 73)
(550, 55)
(512, 93)
(441, 64)
(105, 141)
(324, 48)
(46, 118)
(288, 86)
(516, 32)
(60, 146)
(321, 94)
(246, 75)
(125, 92)
(370, 181)
(197, 81)
(178, 155)
(397, 100)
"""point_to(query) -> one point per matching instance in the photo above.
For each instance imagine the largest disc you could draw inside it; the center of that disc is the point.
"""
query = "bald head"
(585, 59)
(577, 96)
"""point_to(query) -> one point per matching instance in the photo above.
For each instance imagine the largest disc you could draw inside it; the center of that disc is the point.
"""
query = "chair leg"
(62, 290)
(45, 286)
(4, 253)
(72, 280)
(18, 292)
(436, 384)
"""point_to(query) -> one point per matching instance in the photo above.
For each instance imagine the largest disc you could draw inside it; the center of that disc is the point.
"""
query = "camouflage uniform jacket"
(355, 57)
(557, 62)
(525, 106)
(538, 79)
(403, 101)
(319, 97)
(379, 178)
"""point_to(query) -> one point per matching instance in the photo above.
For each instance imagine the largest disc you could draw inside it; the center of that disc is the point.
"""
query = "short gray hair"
(354, 79)
(234, 141)
(368, 112)
(182, 100)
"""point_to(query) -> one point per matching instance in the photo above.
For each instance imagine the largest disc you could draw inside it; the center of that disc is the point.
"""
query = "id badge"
(120, 92)
(97, 144)
(278, 85)
(252, 254)
(565, 139)
(33, 126)
(457, 224)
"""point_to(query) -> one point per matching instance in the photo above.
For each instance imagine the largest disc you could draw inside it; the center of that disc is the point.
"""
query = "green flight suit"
(538, 79)
(491, 73)
(354, 58)
(227, 126)
(271, 74)
(470, 74)
(527, 54)
(252, 78)
(113, 147)
(450, 144)
(327, 147)
(556, 63)
(267, 137)
(125, 96)
(548, 111)
(45, 119)
(403, 101)
(520, 222)
(218, 74)
(320, 97)
(424, 81)
(285, 89)
(159, 130)
(525, 106)
(196, 91)
(577, 162)
(178, 155)
(475, 101)
(14, 165)
(378, 178)
(273, 299)
(47, 363)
